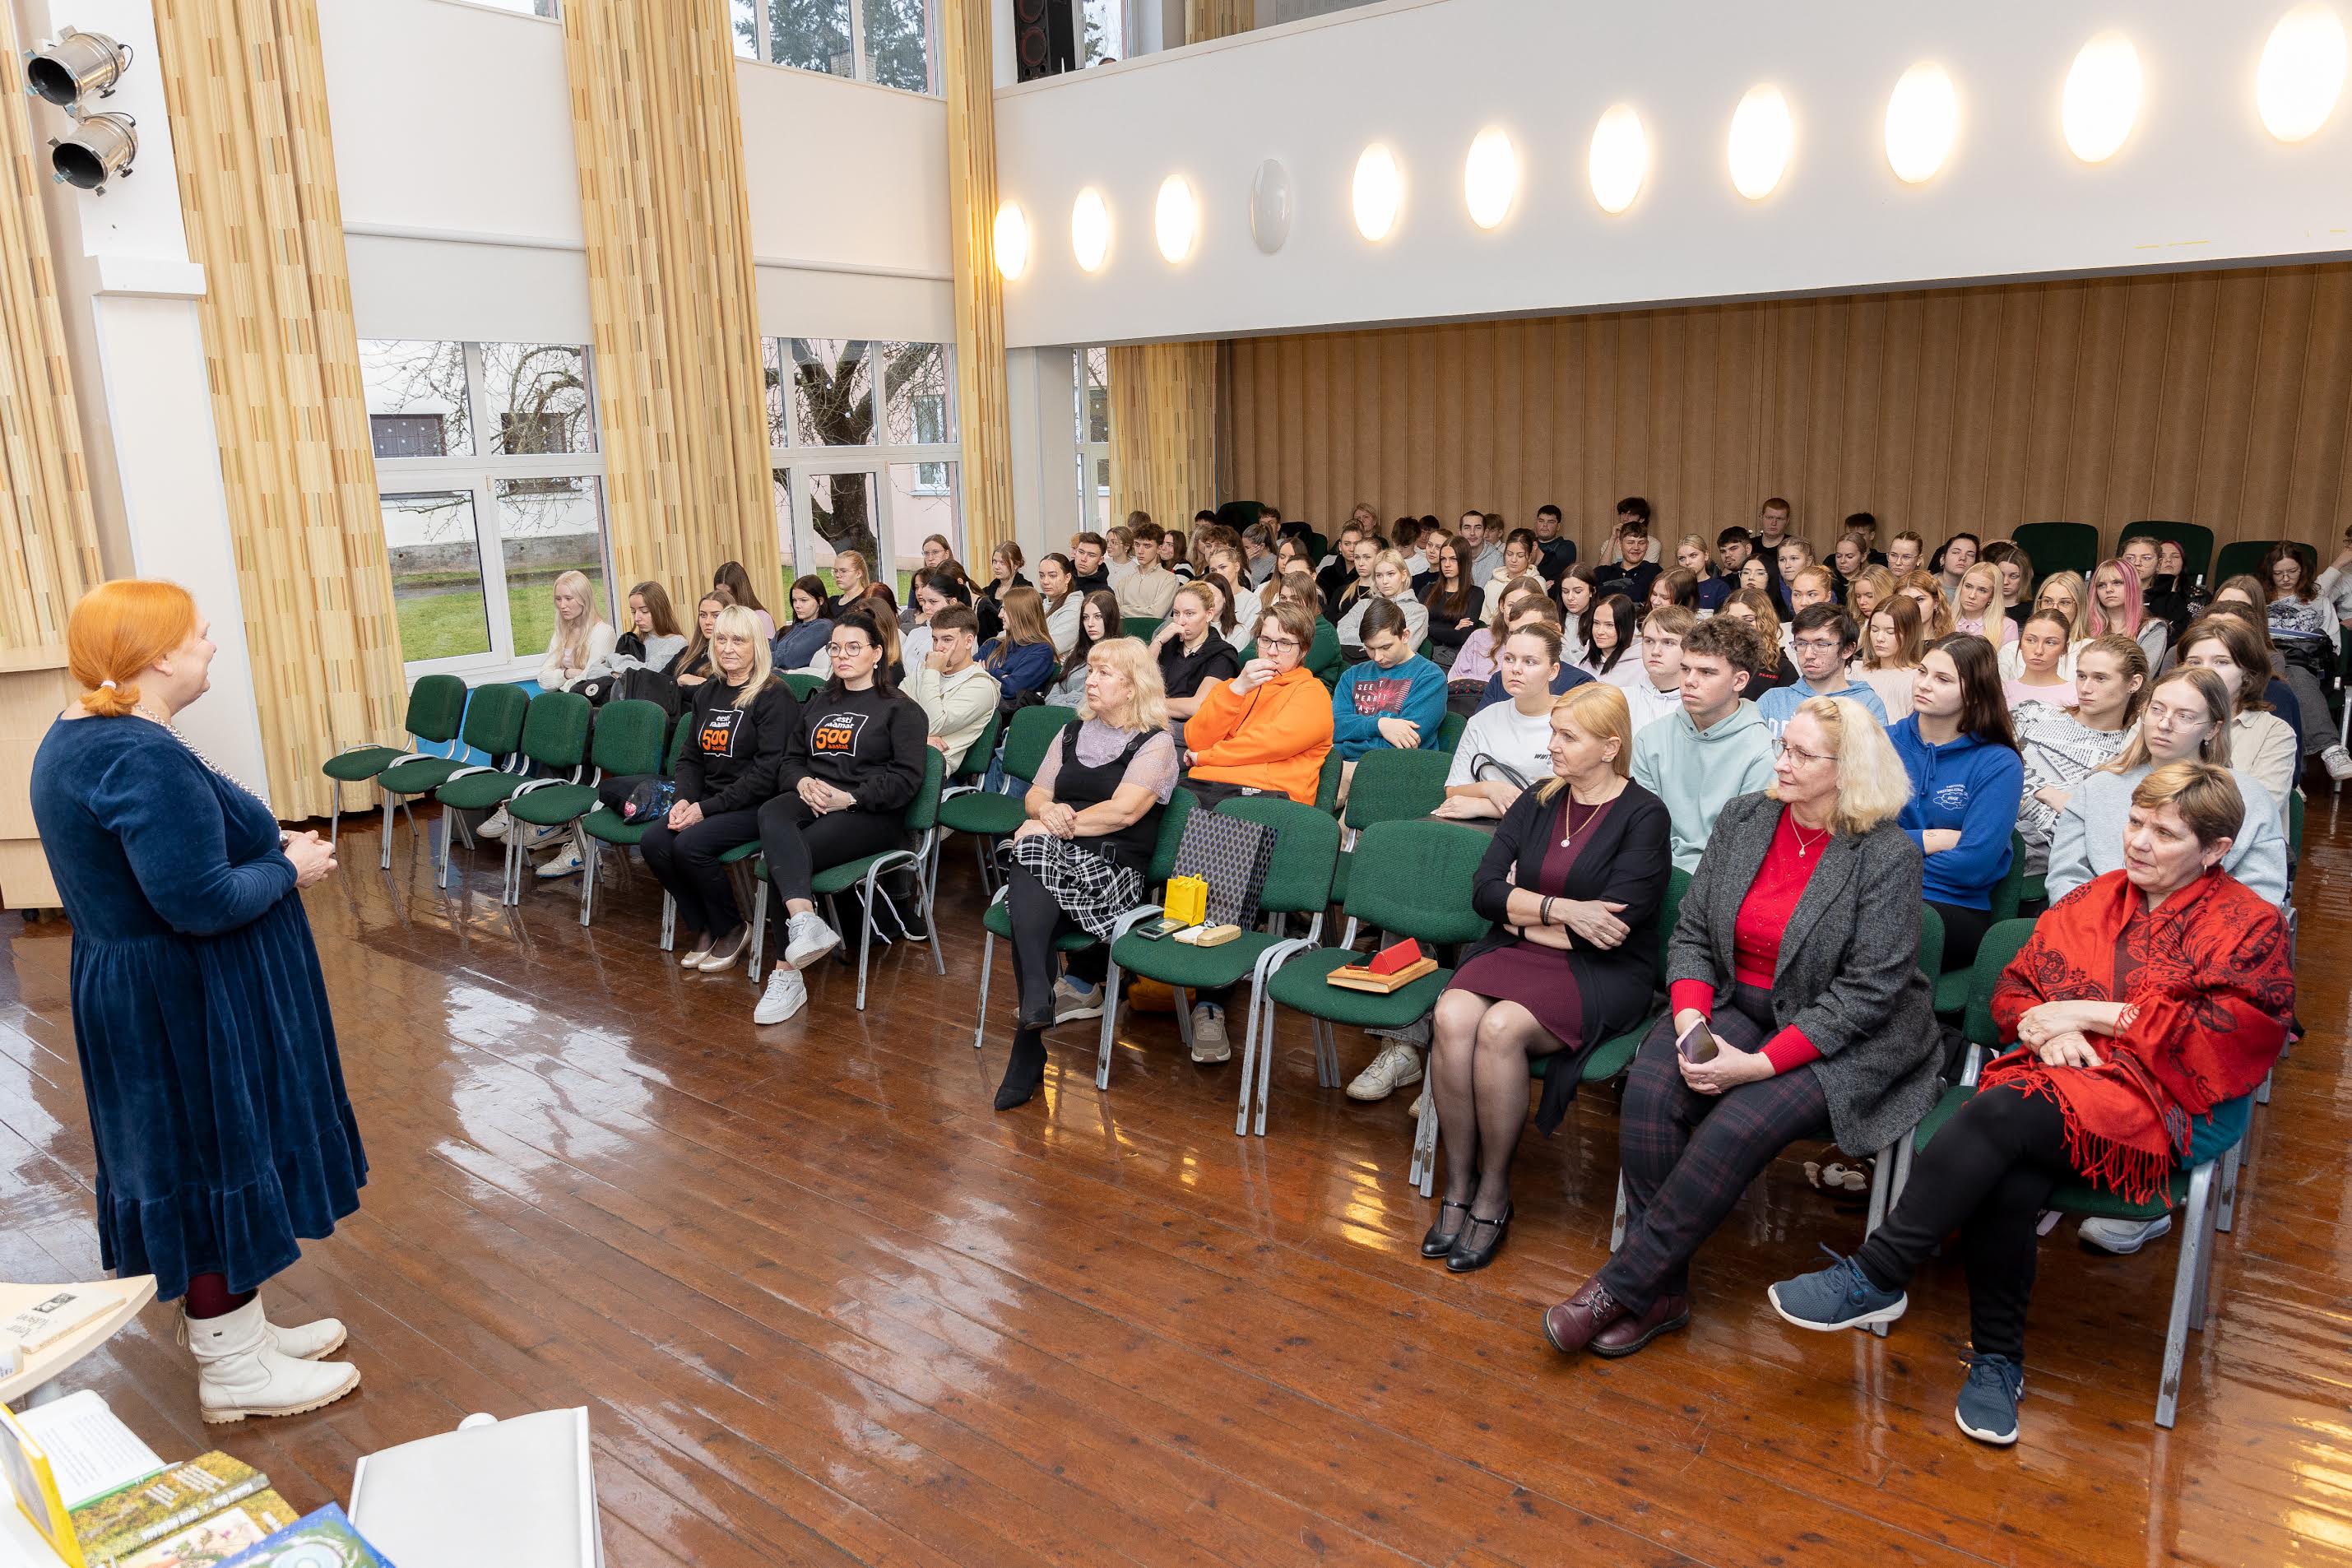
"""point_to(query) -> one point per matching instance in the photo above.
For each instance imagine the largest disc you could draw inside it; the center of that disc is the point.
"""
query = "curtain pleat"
(245, 85)
(983, 406)
(1163, 430)
(680, 389)
(48, 542)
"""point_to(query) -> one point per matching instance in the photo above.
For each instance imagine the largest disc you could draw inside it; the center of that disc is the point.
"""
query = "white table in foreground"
(125, 1298)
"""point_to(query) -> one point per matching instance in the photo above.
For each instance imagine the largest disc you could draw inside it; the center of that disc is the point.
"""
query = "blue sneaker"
(1987, 1410)
(1838, 1297)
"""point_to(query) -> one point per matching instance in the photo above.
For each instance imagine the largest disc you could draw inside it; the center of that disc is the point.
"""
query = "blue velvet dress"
(200, 1015)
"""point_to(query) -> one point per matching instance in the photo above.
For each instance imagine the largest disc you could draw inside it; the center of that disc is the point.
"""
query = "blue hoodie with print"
(1965, 784)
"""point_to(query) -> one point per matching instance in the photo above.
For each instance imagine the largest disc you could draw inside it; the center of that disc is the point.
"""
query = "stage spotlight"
(76, 68)
(99, 148)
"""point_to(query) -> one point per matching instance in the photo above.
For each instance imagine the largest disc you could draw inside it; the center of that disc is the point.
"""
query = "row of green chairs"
(437, 706)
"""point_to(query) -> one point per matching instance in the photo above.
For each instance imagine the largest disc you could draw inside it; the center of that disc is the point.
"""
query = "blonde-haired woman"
(1077, 863)
(1573, 882)
(1978, 608)
(1935, 610)
(1392, 581)
(1866, 590)
(217, 1114)
(1794, 995)
(2063, 594)
(582, 642)
(738, 724)
(1021, 659)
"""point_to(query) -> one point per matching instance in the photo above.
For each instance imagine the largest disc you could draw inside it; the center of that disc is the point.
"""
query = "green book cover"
(217, 1537)
(120, 1523)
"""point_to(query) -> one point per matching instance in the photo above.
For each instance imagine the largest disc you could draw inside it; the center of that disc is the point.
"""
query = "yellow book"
(34, 1485)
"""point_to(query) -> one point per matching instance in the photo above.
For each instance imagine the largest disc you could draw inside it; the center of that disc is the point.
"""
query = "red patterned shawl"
(2212, 989)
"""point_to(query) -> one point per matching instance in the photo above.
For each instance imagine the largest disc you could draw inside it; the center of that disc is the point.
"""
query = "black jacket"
(868, 742)
(735, 748)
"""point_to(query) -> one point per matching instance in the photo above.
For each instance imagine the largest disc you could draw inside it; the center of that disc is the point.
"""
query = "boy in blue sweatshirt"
(1967, 780)
(1395, 697)
(1823, 641)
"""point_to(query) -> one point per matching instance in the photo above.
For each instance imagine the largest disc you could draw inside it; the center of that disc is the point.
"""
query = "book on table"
(122, 1522)
(321, 1540)
(217, 1537)
(91, 1452)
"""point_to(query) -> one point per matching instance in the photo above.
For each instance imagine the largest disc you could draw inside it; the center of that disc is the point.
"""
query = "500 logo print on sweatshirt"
(836, 734)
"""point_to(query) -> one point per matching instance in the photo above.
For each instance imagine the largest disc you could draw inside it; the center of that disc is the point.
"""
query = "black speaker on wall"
(1045, 38)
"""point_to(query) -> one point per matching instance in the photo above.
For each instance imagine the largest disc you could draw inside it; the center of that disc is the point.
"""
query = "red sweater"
(1756, 938)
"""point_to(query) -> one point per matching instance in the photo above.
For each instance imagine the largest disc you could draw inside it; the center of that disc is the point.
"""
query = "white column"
(1042, 398)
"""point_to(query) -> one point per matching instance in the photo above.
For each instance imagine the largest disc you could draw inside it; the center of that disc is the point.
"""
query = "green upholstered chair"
(1141, 628)
(2196, 541)
(1414, 880)
(604, 826)
(1298, 883)
(1449, 734)
(996, 920)
(2058, 546)
(2008, 897)
(803, 687)
(991, 813)
(628, 740)
(2244, 558)
(1390, 786)
(436, 705)
(555, 735)
(492, 726)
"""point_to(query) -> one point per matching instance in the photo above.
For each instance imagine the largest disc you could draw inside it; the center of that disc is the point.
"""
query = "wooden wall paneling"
(2278, 396)
(2011, 413)
(2316, 482)
(2139, 392)
(2092, 430)
(2179, 454)
(2232, 363)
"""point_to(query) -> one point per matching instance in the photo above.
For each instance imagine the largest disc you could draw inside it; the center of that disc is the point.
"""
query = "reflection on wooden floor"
(824, 1305)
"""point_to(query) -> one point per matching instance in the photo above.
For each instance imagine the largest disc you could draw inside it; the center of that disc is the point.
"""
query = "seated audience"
(1793, 970)
(1453, 603)
(2261, 742)
(1555, 550)
(1711, 586)
(1120, 560)
(1392, 584)
(851, 766)
(1523, 604)
(1791, 557)
(1363, 554)
(1677, 586)
(1394, 698)
(1258, 561)
(2016, 568)
(1572, 882)
(1323, 655)
(741, 721)
(797, 645)
(2336, 581)
(2063, 594)
(1191, 655)
(1951, 562)
(1892, 663)
(1849, 559)
(2246, 605)
(1485, 534)
(1058, 601)
(1609, 632)
(1905, 552)
(931, 592)
(1734, 547)
(731, 576)
(1633, 571)
(1268, 728)
(1518, 560)
(2143, 1007)
(1714, 747)
(1756, 609)
(1336, 570)
(2142, 555)
(1923, 589)
(1005, 563)
(1145, 592)
(1871, 587)
(1824, 646)
(1098, 622)
(1809, 585)
(694, 666)
(2060, 746)
(957, 696)
(1978, 610)
(652, 640)
(1021, 659)
(1089, 572)
(1577, 592)
(1507, 745)
(2115, 607)
(581, 645)
(1077, 863)
(1175, 553)
(2041, 648)
(2304, 629)
(1656, 691)
(1241, 601)
(2187, 719)
(1966, 782)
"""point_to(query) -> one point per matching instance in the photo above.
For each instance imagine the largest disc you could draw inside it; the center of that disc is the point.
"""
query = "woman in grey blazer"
(1793, 971)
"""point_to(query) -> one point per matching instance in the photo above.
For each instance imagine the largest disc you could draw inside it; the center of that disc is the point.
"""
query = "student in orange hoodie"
(1269, 728)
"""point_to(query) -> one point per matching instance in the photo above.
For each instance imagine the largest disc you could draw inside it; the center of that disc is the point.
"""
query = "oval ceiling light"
(1619, 159)
(2101, 97)
(1270, 205)
(1923, 120)
(1090, 230)
(1490, 179)
(1379, 192)
(1012, 240)
(1175, 218)
(1762, 135)
(2302, 73)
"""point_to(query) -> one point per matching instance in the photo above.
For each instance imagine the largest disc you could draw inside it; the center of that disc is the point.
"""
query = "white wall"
(2200, 183)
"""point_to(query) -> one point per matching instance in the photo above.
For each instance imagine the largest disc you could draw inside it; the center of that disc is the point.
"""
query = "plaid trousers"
(1688, 1156)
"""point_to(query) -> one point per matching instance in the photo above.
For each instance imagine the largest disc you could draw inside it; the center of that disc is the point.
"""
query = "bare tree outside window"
(536, 398)
(416, 397)
(813, 34)
(898, 44)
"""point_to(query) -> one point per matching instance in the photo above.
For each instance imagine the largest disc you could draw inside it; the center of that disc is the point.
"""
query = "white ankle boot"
(242, 1371)
(306, 1341)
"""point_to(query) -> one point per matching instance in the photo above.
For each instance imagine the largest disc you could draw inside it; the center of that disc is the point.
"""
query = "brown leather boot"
(1570, 1325)
(1628, 1333)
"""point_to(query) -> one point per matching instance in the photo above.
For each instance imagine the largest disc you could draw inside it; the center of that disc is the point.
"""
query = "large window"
(885, 41)
(1092, 375)
(492, 486)
(864, 453)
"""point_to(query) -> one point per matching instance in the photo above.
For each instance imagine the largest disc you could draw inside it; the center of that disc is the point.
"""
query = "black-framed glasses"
(1277, 642)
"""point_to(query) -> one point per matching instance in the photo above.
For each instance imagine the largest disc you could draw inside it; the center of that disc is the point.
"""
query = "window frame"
(1093, 457)
(763, 45)
(479, 474)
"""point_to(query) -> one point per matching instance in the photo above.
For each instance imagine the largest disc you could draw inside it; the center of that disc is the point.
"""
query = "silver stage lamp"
(99, 147)
(75, 68)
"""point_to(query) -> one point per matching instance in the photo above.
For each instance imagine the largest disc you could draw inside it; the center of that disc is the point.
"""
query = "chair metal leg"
(2263, 1092)
(1879, 1177)
(1109, 1027)
(1249, 1070)
(393, 803)
(1903, 1147)
(670, 923)
(589, 854)
(1264, 1063)
(1184, 1017)
(2225, 1208)
(2204, 1278)
(866, 933)
(2193, 1243)
(1423, 1169)
(759, 925)
(987, 958)
(335, 816)
(1617, 1223)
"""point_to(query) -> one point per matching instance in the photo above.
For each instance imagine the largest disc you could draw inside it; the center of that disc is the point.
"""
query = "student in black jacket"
(855, 761)
(742, 720)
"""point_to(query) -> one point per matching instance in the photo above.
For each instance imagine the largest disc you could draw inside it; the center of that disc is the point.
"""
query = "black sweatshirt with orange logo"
(734, 749)
(867, 743)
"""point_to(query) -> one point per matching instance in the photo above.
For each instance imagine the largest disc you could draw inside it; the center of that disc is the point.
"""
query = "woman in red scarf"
(2147, 1000)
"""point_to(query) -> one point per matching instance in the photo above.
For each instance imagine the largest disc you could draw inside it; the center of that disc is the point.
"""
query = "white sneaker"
(2339, 761)
(1397, 1065)
(786, 994)
(807, 939)
(241, 1373)
(2123, 1237)
(1071, 1003)
(535, 836)
(1210, 1043)
(495, 826)
(565, 862)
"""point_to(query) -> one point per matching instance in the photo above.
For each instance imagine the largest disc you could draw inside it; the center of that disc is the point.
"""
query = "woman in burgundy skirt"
(1573, 882)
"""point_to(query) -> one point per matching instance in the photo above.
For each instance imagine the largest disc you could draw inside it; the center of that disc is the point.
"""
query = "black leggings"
(687, 864)
(1037, 922)
(1989, 1175)
(798, 842)
(1964, 932)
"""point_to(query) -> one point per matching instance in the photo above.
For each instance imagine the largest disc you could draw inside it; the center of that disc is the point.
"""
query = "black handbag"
(1232, 858)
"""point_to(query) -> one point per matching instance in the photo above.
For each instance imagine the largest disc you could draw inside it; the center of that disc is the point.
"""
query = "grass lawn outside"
(452, 622)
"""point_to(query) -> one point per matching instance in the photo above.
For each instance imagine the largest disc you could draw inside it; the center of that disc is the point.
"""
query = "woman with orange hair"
(208, 1062)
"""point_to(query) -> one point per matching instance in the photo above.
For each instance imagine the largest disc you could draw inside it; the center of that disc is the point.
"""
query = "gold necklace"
(1804, 849)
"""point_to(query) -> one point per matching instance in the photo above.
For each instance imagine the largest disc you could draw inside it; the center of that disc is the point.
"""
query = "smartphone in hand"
(1698, 1043)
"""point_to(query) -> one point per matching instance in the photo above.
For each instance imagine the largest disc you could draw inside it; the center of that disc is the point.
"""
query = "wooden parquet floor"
(825, 1306)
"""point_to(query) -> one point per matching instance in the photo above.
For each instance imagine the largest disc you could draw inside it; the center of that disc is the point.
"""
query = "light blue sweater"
(1698, 773)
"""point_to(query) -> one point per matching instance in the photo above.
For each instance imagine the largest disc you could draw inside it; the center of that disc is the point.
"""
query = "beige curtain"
(982, 404)
(247, 99)
(680, 391)
(1206, 19)
(48, 545)
(1163, 429)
